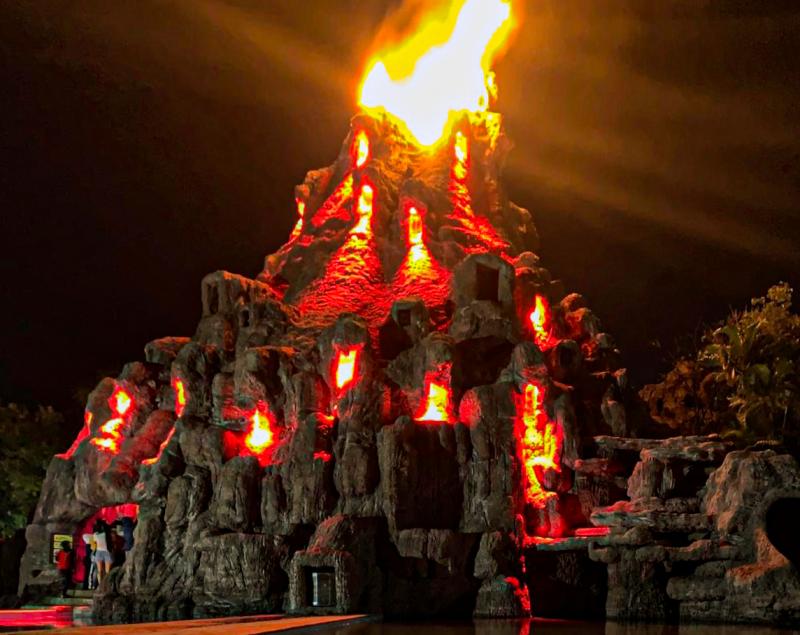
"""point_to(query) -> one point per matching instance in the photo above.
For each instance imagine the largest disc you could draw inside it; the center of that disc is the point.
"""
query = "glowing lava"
(110, 435)
(540, 323)
(180, 396)
(301, 212)
(437, 406)
(540, 446)
(444, 67)
(361, 149)
(346, 362)
(120, 401)
(364, 208)
(478, 226)
(161, 449)
(414, 227)
(259, 434)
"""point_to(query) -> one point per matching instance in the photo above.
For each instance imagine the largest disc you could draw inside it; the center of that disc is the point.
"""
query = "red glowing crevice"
(301, 212)
(420, 275)
(540, 445)
(258, 439)
(86, 430)
(111, 432)
(180, 396)
(476, 226)
(336, 204)
(345, 367)
(360, 151)
(436, 405)
(161, 449)
(540, 321)
(353, 280)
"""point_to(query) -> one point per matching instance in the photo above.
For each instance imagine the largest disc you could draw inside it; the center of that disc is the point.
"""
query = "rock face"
(377, 422)
(707, 535)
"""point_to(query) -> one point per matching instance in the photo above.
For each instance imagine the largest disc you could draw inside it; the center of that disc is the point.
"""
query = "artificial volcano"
(387, 418)
(397, 400)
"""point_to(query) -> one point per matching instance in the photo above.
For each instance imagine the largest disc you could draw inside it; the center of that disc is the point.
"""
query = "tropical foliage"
(743, 381)
(29, 440)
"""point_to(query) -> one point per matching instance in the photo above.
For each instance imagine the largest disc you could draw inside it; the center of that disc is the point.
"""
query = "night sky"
(144, 144)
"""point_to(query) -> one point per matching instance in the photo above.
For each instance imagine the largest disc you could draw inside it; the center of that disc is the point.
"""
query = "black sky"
(144, 144)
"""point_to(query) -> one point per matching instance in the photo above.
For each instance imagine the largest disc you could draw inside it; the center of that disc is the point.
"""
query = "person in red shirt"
(64, 566)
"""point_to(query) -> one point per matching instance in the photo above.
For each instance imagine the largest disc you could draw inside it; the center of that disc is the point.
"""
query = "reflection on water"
(61, 617)
(548, 627)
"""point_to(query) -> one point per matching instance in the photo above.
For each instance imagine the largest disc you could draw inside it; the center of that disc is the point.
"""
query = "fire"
(361, 149)
(364, 208)
(259, 434)
(180, 396)
(540, 322)
(444, 67)
(540, 445)
(437, 405)
(346, 367)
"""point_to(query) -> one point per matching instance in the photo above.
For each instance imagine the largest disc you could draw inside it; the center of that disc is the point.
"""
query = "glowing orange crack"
(437, 404)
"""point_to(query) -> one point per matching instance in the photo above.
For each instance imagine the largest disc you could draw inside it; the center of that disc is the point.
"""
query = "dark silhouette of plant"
(744, 381)
(28, 440)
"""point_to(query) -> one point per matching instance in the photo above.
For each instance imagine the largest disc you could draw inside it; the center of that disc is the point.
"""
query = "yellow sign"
(56, 543)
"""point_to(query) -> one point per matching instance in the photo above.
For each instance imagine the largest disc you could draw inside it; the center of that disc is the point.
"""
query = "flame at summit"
(443, 68)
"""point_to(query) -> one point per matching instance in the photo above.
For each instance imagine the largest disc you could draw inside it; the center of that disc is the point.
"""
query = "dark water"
(545, 627)
(483, 627)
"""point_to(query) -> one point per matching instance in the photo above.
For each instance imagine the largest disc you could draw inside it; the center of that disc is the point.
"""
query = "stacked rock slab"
(707, 535)
(402, 484)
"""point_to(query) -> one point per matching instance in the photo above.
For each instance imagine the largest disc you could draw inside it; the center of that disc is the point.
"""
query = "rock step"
(53, 600)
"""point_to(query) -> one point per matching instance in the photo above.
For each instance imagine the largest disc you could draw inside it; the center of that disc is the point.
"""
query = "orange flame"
(540, 322)
(361, 149)
(180, 396)
(444, 67)
(438, 403)
(259, 434)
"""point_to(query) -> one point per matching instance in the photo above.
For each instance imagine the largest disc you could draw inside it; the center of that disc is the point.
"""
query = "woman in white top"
(102, 555)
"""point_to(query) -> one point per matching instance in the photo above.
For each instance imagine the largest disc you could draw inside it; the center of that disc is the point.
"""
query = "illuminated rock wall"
(399, 402)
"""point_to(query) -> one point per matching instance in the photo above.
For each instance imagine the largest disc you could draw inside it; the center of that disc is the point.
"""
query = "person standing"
(102, 555)
(64, 566)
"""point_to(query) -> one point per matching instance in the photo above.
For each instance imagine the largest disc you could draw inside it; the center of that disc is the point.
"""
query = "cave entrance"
(121, 519)
(781, 522)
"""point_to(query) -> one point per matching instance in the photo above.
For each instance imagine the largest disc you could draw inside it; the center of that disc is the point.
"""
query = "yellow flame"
(260, 436)
(365, 200)
(361, 149)
(443, 68)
